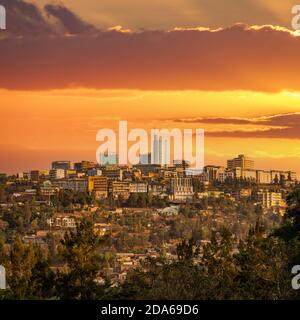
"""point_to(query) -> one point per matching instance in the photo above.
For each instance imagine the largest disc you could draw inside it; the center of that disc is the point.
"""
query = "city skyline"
(240, 166)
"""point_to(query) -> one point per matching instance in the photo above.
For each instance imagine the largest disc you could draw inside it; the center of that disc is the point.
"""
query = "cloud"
(71, 22)
(26, 19)
(216, 120)
(283, 126)
(258, 58)
(167, 14)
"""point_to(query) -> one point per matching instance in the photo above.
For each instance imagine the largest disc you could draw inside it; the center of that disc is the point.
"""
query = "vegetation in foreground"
(260, 268)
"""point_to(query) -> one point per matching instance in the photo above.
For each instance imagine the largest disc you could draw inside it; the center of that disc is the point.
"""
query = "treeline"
(256, 268)
(30, 275)
(259, 268)
(138, 200)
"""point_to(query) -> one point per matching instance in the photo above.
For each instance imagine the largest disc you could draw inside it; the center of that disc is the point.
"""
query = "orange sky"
(167, 14)
(62, 79)
(62, 124)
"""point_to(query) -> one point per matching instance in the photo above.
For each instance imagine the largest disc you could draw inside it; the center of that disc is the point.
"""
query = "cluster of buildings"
(113, 180)
(170, 182)
(243, 167)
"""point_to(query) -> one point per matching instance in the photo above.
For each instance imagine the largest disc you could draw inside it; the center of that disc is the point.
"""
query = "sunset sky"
(230, 67)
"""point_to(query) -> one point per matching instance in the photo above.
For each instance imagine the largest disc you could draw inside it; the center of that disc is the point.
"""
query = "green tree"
(42, 280)
(290, 230)
(19, 268)
(79, 250)
(262, 264)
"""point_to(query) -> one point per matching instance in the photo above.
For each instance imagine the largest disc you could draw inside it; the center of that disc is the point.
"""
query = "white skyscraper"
(156, 149)
(164, 158)
(160, 150)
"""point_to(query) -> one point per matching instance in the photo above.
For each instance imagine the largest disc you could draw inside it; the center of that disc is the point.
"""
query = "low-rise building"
(138, 187)
(270, 199)
(182, 189)
(249, 174)
(72, 184)
(102, 228)
(210, 194)
(263, 177)
(63, 221)
(214, 173)
(98, 185)
(47, 190)
(277, 176)
(119, 188)
(38, 175)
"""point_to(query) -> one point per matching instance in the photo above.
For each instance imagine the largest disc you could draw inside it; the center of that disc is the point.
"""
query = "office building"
(112, 173)
(98, 185)
(57, 174)
(242, 161)
(65, 165)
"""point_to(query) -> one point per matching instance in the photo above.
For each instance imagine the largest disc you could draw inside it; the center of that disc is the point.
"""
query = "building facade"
(181, 189)
(242, 161)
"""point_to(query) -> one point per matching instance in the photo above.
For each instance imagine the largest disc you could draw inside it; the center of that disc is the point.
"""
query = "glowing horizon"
(37, 136)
